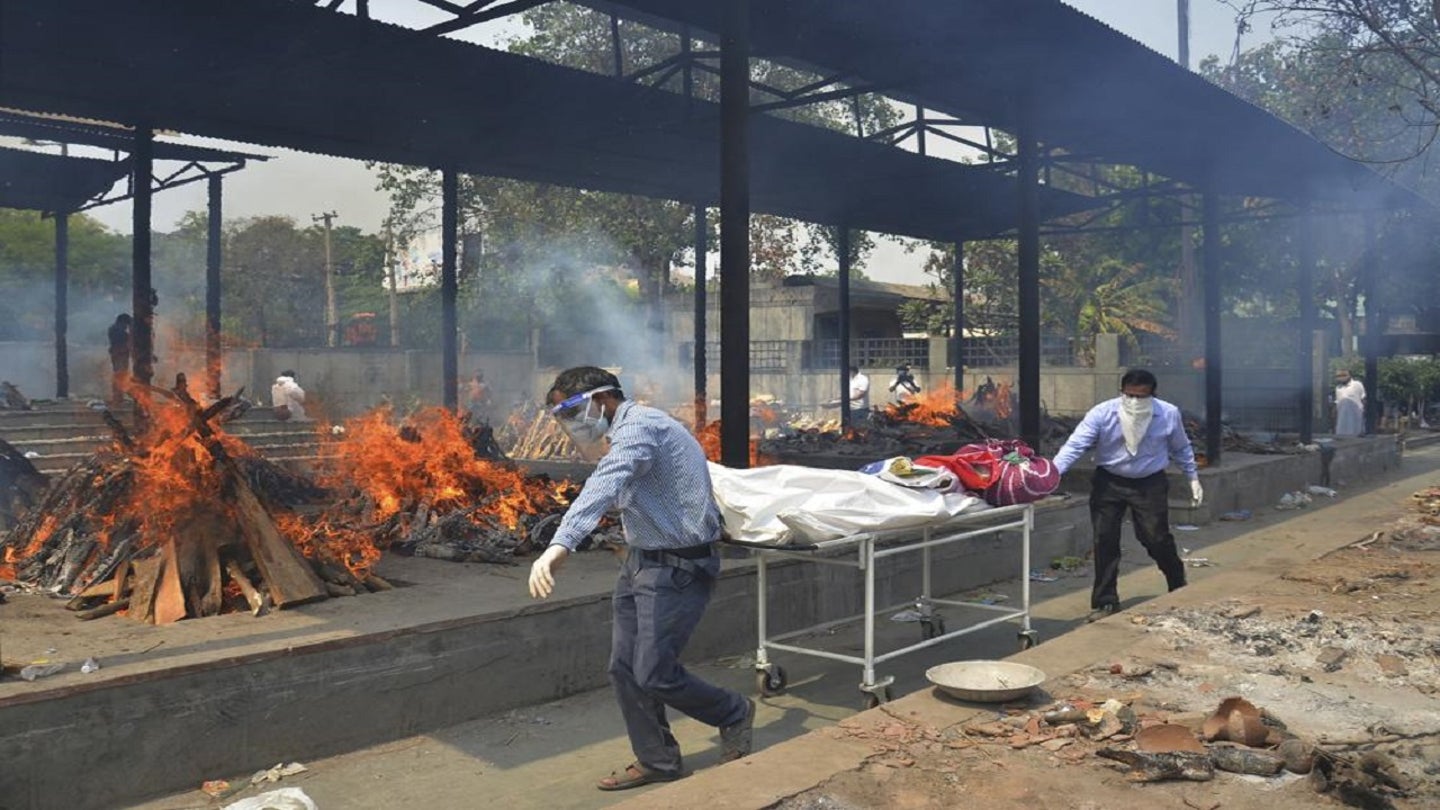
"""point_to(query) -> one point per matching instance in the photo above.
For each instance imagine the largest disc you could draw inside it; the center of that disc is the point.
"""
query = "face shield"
(584, 421)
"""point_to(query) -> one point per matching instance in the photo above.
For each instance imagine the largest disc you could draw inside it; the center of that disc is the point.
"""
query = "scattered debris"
(1238, 515)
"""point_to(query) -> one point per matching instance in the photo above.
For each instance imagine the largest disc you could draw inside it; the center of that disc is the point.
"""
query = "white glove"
(1197, 493)
(542, 571)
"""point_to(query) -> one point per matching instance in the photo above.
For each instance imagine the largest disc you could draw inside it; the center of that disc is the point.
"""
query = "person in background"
(656, 474)
(1135, 436)
(477, 398)
(1349, 404)
(288, 398)
(859, 396)
(119, 336)
(904, 385)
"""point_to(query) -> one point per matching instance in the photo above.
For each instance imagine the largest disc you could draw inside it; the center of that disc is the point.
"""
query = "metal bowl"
(985, 681)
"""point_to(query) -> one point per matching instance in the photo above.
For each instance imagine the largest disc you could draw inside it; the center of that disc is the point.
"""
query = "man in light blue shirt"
(655, 473)
(1135, 437)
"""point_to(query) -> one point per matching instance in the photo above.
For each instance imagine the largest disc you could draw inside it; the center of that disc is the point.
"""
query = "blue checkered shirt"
(656, 475)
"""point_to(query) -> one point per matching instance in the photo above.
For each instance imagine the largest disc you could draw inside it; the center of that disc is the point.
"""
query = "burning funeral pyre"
(184, 520)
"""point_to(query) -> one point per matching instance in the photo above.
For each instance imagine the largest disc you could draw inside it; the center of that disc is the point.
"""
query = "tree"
(99, 273)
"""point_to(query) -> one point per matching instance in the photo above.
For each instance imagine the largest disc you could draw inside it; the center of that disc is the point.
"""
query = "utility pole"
(331, 320)
(394, 288)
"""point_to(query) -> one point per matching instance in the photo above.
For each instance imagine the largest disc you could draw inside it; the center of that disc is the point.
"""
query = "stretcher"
(861, 551)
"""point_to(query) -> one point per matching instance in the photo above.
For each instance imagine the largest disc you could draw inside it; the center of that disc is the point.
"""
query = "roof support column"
(735, 235)
(1374, 326)
(1306, 292)
(957, 278)
(449, 288)
(1210, 249)
(702, 371)
(213, 349)
(842, 243)
(1029, 281)
(62, 303)
(142, 335)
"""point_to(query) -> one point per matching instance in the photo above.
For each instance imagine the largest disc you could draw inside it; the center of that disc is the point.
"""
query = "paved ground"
(549, 756)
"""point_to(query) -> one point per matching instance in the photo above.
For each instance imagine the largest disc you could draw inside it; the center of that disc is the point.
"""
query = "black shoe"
(736, 741)
(1101, 612)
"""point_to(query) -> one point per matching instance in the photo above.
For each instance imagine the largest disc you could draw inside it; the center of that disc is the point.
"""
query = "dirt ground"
(1340, 651)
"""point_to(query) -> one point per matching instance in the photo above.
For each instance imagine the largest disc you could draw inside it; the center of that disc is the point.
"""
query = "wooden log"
(142, 593)
(378, 583)
(252, 596)
(169, 594)
(287, 576)
(339, 590)
(104, 610)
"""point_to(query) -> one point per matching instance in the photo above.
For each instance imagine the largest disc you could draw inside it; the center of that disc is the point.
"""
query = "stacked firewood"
(530, 433)
(164, 524)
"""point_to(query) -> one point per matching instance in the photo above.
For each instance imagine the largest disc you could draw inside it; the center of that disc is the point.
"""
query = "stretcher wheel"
(879, 696)
(932, 627)
(1028, 639)
(772, 681)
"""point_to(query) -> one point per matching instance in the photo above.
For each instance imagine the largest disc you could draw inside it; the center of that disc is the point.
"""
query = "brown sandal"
(634, 776)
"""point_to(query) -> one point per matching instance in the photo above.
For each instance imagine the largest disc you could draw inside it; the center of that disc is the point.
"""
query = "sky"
(301, 185)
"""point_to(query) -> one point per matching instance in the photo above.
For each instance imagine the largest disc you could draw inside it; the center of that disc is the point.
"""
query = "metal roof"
(106, 135)
(44, 182)
(1090, 89)
(284, 74)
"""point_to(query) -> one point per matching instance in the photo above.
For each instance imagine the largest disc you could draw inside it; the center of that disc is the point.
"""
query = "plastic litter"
(1316, 489)
(1238, 514)
(1198, 562)
(41, 669)
(907, 615)
(277, 773)
(289, 798)
(1294, 500)
(989, 599)
(31, 454)
(1037, 576)
(90, 665)
(1186, 527)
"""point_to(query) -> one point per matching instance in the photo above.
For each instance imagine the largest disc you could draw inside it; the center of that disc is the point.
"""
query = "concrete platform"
(175, 705)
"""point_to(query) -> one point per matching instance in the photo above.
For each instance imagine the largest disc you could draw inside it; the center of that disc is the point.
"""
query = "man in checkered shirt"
(655, 473)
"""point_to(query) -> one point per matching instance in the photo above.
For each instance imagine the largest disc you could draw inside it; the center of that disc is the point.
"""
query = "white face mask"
(1135, 415)
(1136, 406)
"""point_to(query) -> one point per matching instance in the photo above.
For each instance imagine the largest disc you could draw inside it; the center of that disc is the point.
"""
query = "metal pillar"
(213, 349)
(1374, 326)
(702, 371)
(843, 318)
(1305, 289)
(735, 235)
(1210, 213)
(142, 335)
(62, 303)
(958, 330)
(1029, 283)
(449, 288)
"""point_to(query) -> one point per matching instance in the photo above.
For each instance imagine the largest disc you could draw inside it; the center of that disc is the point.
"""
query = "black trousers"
(1148, 500)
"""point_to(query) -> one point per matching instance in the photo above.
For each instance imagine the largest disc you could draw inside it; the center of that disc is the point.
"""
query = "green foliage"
(99, 262)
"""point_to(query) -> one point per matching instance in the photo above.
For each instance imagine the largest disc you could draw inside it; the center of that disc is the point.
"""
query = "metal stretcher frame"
(869, 547)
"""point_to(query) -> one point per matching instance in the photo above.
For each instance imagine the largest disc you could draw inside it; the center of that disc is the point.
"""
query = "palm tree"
(1108, 296)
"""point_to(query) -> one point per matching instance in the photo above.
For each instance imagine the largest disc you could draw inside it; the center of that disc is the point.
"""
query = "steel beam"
(957, 331)
(62, 303)
(1029, 280)
(1305, 290)
(1374, 325)
(702, 395)
(142, 334)
(213, 349)
(842, 242)
(735, 235)
(1210, 207)
(449, 287)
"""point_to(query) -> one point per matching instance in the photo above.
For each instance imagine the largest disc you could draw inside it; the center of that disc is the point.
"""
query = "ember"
(709, 437)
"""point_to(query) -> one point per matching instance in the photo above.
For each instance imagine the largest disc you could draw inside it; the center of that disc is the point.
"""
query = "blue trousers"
(656, 608)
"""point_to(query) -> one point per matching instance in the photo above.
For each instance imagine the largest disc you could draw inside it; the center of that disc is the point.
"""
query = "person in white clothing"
(288, 398)
(1349, 404)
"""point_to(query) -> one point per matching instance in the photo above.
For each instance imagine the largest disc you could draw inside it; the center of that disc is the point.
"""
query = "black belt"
(687, 553)
(1129, 478)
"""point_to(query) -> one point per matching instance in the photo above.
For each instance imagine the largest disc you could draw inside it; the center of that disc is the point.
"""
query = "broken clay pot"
(1167, 737)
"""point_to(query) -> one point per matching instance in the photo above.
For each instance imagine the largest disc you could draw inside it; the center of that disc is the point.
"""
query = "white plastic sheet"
(782, 504)
(290, 798)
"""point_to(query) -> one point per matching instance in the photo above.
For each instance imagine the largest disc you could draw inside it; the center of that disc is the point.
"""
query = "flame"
(395, 468)
(939, 407)
(709, 438)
